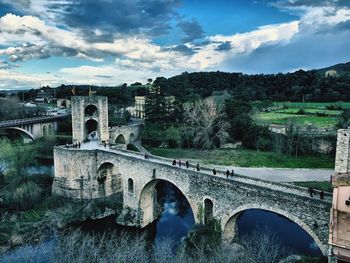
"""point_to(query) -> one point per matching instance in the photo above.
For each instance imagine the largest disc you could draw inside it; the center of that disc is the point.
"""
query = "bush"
(334, 107)
(27, 195)
(301, 112)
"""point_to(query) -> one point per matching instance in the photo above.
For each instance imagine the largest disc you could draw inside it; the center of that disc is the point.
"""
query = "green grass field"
(315, 113)
(297, 119)
(246, 158)
(312, 105)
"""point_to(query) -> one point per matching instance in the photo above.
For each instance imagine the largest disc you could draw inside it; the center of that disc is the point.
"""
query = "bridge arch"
(109, 180)
(208, 210)
(120, 139)
(23, 131)
(229, 224)
(148, 201)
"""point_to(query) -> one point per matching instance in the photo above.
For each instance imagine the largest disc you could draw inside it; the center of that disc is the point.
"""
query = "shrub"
(27, 195)
(301, 112)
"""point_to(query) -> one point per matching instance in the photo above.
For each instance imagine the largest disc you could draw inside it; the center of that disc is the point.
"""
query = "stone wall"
(77, 172)
(342, 160)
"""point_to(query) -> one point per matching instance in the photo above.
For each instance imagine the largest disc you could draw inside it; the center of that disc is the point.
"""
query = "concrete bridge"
(96, 172)
(35, 127)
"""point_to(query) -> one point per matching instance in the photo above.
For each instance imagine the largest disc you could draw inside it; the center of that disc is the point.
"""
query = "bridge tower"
(339, 230)
(90, 118)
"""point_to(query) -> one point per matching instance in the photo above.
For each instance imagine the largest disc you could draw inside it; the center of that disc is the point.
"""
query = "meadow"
(317, 114)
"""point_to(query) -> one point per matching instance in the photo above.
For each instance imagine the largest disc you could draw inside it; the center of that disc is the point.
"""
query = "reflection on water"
(176, 218)
(290, 234)
(174, 223)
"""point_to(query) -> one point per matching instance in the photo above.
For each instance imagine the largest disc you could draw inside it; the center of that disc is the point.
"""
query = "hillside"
(342, 68)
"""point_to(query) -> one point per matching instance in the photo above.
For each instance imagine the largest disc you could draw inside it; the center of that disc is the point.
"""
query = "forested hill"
(342, 69)
(307, 85)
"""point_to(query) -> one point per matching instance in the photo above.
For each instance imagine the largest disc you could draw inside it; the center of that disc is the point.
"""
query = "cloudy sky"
(109, 42)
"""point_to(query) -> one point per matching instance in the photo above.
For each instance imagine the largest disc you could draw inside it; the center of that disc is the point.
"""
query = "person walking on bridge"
(174, 162)
(180, 163)
(321, 194)
(311, 191)
(198, 167)
(214, 171)
(227, 173)
(187, 164)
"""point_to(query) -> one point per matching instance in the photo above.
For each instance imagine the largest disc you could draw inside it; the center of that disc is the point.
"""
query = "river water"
(177, 220)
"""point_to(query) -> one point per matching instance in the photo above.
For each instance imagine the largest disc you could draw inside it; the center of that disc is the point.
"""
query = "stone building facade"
(339, 230)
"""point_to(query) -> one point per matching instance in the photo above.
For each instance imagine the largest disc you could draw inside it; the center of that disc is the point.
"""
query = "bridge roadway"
(221, 173)
(19, 122)
(94, 171)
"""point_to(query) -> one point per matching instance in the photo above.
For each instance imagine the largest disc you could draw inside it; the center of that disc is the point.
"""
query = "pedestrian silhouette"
(180, 163)
(232, 173)
(321, 194)
(187, 164)
(174, 162)
(227, 173)
(197, 166)
(214, 171)
(311, 191)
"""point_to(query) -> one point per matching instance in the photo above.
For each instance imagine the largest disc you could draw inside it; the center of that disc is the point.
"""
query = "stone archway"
(208, 210)
(91, 111)
(120, 139)
(91, 128)
(109, 180)
(148, 202)
(229, 225)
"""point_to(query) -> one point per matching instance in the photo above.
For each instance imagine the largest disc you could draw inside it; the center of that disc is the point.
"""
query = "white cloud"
(138, 58)
(209, 56)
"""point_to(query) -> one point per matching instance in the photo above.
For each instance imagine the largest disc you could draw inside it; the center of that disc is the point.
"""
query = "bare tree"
(263, 246)
(205, 123)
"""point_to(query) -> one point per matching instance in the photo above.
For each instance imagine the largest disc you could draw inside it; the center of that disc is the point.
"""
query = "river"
(176, 220)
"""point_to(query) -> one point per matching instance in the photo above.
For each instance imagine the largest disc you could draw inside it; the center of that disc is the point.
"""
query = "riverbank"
(54, 213)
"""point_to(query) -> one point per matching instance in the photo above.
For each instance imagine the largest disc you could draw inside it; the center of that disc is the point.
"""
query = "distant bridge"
(35, 127)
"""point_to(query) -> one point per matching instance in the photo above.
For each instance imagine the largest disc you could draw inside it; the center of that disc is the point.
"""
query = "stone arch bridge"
(100, 172)
(126, 134)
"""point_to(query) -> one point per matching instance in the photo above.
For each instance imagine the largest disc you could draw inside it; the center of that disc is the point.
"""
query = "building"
(278, 128)
(339, 227)
(140, 105)
(331, 73)
(63, 103)
(45, 95)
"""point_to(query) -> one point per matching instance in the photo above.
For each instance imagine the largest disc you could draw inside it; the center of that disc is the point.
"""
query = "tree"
(156, 111)
(17, 157)
(263, 246)
(205, 123)
(238, 112)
